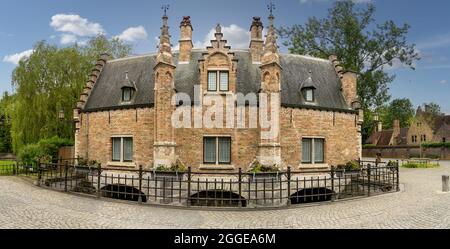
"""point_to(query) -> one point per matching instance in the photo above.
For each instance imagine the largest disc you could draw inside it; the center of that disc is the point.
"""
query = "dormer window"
(308, 89)
(127, 94)
(308, 94)
(218, 81)
(128, 89)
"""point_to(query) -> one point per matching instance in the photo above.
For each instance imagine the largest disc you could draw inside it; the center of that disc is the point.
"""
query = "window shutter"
(212, 81)
(224, 150)
(306, 150)
(318, 150)
(116, 149)
(209, 150)
(223, 81)
(128, 149)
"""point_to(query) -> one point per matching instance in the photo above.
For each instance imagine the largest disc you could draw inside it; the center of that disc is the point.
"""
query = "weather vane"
(165, 7)
(271, 7)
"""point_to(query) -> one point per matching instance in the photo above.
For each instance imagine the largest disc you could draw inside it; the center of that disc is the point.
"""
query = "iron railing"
(238, 189)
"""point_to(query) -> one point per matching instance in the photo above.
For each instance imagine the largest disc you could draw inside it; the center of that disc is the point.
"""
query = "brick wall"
(102, 125)
(339, 130)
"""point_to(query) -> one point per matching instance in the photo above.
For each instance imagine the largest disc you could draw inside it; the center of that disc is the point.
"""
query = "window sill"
(121, 164)
(212, 93)
(216, 167)
(317, 166)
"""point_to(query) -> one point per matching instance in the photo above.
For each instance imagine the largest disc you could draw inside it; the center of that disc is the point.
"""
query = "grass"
(420, 165)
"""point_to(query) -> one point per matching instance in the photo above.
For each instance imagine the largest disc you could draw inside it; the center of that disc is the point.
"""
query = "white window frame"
(217, 163)
(121, 148)
(218, 71)
(313, 154)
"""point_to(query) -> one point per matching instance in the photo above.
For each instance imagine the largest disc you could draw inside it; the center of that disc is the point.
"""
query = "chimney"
(348, 81)
(379, 126)
(185, 40)
(256, 41)
(396, 128)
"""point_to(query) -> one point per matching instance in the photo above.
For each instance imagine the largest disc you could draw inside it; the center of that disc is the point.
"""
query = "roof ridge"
(306, 57)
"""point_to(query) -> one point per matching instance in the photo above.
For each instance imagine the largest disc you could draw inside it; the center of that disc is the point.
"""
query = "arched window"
(308, 94)
(127, 94)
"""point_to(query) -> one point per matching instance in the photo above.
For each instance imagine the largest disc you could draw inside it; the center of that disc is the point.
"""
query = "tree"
(5, 124)
(361, 45)
(51, 79)
(401, 109)
(432, 108)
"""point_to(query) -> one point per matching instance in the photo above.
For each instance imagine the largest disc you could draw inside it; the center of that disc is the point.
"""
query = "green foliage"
(31, 154)
(436, 145)
(369, 146)
(362, 46)
(432, 108)
(51, 79)
(178, 166)
(401, 109)
(257, 167)
(85, 162)
(45, 150)
(5, 124)
(349, 166)
(420, 165)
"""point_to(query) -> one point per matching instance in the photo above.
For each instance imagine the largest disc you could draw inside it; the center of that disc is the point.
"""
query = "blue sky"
(62, 22)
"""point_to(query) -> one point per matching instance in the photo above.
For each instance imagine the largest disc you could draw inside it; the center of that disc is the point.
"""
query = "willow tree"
(49, 80)
(362, 45)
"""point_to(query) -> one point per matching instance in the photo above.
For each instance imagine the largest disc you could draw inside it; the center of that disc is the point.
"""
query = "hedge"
(436, 145)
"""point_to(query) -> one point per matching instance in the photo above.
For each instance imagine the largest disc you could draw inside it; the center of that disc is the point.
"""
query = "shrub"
(257, 167)
(31, 154)
(436, 145)
(369, 146)
(45, 150)
(177, 166)
(420, 165)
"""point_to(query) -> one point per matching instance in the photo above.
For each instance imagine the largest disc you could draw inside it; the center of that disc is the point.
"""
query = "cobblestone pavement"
(420, 204)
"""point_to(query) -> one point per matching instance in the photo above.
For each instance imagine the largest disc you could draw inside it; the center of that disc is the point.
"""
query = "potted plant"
(350, 168)
(175, 171)
(260, 171)
(85, 166)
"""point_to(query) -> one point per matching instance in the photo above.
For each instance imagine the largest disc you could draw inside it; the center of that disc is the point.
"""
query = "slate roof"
(106, 93)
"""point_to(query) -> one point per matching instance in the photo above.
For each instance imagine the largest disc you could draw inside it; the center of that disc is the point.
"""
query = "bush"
(45, 150)
(369, 146)
(31, 154)
(257, 167)
(178, 166)
(436, 145)
(420, 165)
(351, 165)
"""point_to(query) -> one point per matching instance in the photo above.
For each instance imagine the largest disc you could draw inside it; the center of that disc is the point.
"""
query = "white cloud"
(16, 58)
(443, 81)
(133, 34)
(438, 41)
(74, 27)
(236, 37)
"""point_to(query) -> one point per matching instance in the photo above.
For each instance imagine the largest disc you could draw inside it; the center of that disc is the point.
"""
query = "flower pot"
(168, 176)
(265, 176)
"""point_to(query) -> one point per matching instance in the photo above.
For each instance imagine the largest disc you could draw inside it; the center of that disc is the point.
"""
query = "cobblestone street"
(420, 204)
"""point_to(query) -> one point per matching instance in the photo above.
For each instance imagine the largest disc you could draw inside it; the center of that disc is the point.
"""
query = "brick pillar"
(164, 145)
(256, 41)
(269, 147)
(185, 40)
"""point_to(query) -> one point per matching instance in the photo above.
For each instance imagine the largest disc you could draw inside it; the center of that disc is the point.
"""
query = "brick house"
(124, 117)
(425, 128)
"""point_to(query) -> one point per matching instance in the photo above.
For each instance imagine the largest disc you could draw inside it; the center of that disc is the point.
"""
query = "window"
(313, 150)
(218, 80)
(443, 139)
(217, 150)
(308, 94)
(423, 138)
(413, 139)
(127, 94)
(122, 149)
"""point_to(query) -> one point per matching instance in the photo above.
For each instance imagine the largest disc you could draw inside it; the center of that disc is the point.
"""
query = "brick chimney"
(256, 41)
(185, 40)
(348, 81)
(396, 130)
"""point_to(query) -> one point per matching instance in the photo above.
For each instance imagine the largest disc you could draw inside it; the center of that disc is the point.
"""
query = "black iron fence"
(9, 168)
(239, 189)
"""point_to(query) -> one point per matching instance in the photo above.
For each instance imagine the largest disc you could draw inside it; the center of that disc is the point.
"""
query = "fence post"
(398, 175)
(368, 179)
(140, 184)
(188, 198)
(15, 167)
(99, 178)
(333, 195)
(240, 187)
(39, 174)
(288, 185)
(66, 168)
